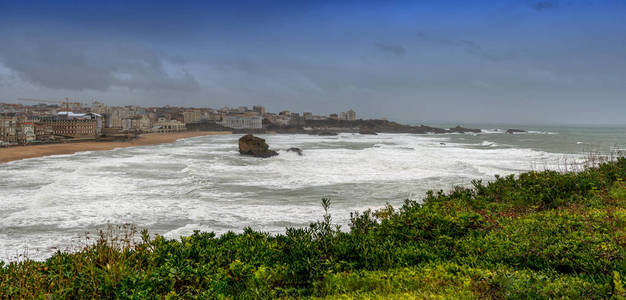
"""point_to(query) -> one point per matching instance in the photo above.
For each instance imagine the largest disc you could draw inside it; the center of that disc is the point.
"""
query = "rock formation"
(512, 131)
(460, 129)
(296, 150)
(255, 146)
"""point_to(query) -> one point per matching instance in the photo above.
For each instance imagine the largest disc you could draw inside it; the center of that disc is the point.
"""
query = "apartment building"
(193, 116)
(8, 128)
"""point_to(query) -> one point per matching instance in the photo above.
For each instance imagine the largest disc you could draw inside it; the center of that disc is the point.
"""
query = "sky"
(507, 61)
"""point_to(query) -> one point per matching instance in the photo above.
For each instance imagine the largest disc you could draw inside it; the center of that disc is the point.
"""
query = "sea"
(54, 203)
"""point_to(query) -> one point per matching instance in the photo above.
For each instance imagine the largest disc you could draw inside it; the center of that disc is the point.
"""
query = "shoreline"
(32, 151)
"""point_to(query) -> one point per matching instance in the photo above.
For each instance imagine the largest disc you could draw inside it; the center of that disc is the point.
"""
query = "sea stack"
(512, 131)
(255, 146)
(459, 129)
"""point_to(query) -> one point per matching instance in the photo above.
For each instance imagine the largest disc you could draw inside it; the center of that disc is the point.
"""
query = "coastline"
(32, 151)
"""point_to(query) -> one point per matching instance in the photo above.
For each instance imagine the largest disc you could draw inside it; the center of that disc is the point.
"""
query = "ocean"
(51, 203)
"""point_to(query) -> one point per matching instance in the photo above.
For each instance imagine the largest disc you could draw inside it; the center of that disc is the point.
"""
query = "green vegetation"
(538, 235)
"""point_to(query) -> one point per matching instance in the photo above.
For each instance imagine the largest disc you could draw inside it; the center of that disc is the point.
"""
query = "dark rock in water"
(367, 131)
(294, 149)
(327, 133)
(323, 127)
(460, 129)
(512, 131)
(255, 146)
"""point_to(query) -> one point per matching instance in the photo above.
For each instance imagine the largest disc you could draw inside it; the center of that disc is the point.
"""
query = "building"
(75, 128)
(145, 123)
(71, 125)
(137, 123)
(242, 122)
(43, 132)
(351, 115)
(343, 116)
(99, 108)
(115, 118)
(164, 125)
(307, 115)
(8, 128)
(260, 109)
(296, 119)
(130, 124)
(333, 117)
(25, 133)
(193, 116)
(212, 116)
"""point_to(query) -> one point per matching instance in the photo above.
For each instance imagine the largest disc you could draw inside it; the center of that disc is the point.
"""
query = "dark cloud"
(543, 5)
(75, 67)
(396, 50)
(333, 59)
(243, 64)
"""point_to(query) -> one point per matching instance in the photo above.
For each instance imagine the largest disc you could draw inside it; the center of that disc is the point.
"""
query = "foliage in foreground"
(540, 235)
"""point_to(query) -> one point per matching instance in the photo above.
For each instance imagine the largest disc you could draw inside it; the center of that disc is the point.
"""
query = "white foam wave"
(541, 132)
(493, 131)
(205, 184)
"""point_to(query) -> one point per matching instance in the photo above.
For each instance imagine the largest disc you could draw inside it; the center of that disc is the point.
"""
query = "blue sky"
(510, 61)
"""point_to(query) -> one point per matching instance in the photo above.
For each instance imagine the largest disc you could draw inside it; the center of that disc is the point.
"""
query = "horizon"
(560, 63)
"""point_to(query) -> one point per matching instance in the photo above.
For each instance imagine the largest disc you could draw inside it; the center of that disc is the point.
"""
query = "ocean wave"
(493, 131)
(541, 132)
(504, 131)
(207, 185)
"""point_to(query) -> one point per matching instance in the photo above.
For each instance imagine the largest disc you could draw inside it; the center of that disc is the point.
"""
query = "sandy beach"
(23, 152)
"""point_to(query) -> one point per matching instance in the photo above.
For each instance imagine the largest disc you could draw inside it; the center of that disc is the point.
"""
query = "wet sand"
(23, 152)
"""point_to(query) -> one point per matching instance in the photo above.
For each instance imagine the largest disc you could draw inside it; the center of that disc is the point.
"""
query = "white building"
(164, 125)
(193, 116)
(241, 122)
(351, 115)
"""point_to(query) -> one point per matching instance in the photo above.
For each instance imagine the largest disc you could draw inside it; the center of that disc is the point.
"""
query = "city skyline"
(514, 61)
(53, 122)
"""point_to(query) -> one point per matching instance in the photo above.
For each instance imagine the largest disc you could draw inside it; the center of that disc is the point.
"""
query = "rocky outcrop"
(460, 129)
(296, 150)
(255, 146)
(332, 127)
(512, 131)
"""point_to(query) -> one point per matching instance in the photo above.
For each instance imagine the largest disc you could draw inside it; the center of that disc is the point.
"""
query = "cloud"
(78, 67)
(396, 50)
(468, 46)
(543, 5)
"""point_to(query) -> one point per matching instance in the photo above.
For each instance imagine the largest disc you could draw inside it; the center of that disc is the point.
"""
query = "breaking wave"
(204, 184)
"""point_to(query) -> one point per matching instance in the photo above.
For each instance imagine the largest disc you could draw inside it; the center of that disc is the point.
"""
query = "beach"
(31, 151)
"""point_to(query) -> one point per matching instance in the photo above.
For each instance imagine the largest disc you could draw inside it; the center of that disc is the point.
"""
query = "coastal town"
(47, 122)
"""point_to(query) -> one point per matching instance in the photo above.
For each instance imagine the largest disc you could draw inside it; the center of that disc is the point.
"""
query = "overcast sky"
(507, 61)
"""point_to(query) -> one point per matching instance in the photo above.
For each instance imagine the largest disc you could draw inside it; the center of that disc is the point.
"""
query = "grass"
(537, 235)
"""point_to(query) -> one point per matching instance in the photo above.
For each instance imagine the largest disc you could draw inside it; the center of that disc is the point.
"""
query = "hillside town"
(47, 122)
